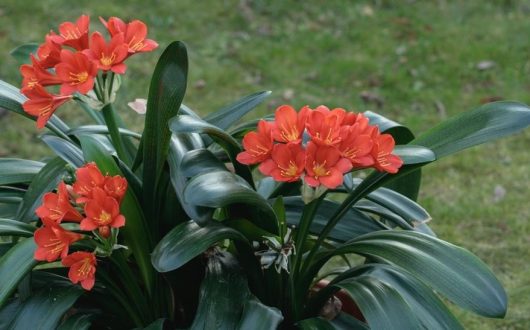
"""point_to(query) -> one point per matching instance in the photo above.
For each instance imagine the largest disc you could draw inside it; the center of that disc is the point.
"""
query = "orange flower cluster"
(99, 198)
(76, 67)
(317, 145)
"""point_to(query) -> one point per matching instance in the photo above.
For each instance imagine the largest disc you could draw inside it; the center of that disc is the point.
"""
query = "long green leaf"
(14, 265)
(137, 233)
(190, 124)
(10, 227)
(166, 92)
(381, 305)
(45, 309)
(450, 270)
(258, 316)
(188, 240)
(223, 188)
(227, 116)
(10, 199)
(64, 149)
(45, 181)
(14, 170)
(200, 161)
(486, 123)
(101, 129)
(77, 322)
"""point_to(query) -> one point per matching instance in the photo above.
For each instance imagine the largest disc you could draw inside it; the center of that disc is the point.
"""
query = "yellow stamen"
(290, 171)
(78, 78)
(85, 268)
(104, 218)
(320, 169)
(107, 60)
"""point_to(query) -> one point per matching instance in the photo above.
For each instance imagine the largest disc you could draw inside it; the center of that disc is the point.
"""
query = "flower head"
(135, 34)
(289, 125)
(325, 165)
(384, 160)
(356, 146)
(82, 268)
(88, 177)
(102, 211)
(73, 34)
(76, 71)
(324, 126)
(108, 56)
(258, 145)
(42, 104)
(53, 242)
(115, 186)
(286, 164)
(35, 74)
(56, 207)
(49, 53)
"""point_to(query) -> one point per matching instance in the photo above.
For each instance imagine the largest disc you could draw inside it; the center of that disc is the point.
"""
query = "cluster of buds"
(318, 146)
(93, 201)
(72, 60)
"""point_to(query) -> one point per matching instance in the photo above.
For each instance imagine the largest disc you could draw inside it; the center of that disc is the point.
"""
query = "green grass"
(420, 58)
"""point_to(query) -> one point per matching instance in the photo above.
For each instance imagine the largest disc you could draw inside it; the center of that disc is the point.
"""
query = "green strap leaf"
(450, 270)
(190, 124)
(45, 181)
(258, 316)
(188, 240)
(485, 123)
(223, 188)
(14, 265)
(167, 89)
(136, 232)
(100, 129)
(381, 305)
(200, 161)
(10, 227)
(45, 309)
(225, 117)
(13, 170)
(77, 322)
(64, 149)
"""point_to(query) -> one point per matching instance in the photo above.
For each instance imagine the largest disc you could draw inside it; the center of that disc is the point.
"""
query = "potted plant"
(216, 223)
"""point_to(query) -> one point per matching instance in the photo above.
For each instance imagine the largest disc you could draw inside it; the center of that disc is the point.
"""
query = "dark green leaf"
(100, 129)
(14, 265)
(45, 181)
(157, 325)
(10, 227)
(223, 188)
(485, 123)
(45, 309)
(200, 161)
(315, 323)
(14, 170)
(412, 154)
(258, 316)
(64, 149)
(227, 116)
(190, 124)
(77, 322)
(188, 240)
(21, 53)
(166, 92)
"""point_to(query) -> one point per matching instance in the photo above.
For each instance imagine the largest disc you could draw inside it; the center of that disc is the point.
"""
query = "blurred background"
(417, 63)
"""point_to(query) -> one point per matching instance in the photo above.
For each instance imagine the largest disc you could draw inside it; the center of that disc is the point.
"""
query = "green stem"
(110, 120)
(302, 232)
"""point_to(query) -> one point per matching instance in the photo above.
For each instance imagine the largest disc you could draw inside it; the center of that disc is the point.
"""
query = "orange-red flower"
(325, 165)
(115, 186)
(49, 53)
(88, 177)
(35, 74)
(56, 207)
(288, 125)
(135, 34)
(108, 56)
(384, 160)
(73, 34)
(258, 145)
(53, 242)
(82, 268)
(102, 211)
(76, 71)
(356, 146)
(42, 104)
(286, 163)
(324, 126)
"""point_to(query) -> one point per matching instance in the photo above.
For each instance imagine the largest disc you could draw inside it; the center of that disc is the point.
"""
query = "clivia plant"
(211, 222)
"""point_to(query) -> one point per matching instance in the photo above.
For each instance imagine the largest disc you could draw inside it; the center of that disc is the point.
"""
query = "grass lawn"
(417, 63)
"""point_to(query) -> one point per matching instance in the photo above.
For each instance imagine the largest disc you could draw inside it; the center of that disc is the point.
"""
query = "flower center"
(85, 268)
(290, 134)
(78, 78)
(55, 245)
(136, 45)
(290, 171)
(107, 60)
(104, 218)
(320, 169)
(259, 150)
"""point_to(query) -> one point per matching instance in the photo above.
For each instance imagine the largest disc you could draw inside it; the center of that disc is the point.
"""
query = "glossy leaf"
(223, 188)
(156, 325)
(166, 92)
(22, 52)
(64, 149)
(188, 240)
(45, 181)
(10, 227)
(258, 316)
(45, 309)
(200, 161)
(10, 199)
(189, 124)
(225, 117)
(14, 170)
(381, 305)
(77, 322)
(14, 265)
(485, 123)
(101, 129)
(137, 233)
